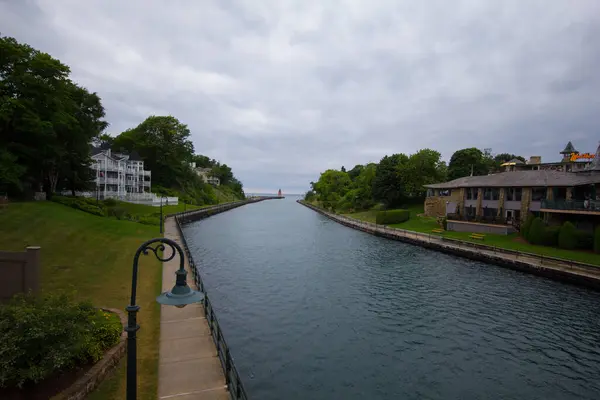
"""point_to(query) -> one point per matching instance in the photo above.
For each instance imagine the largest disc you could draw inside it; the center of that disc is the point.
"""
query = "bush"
(91, 209)
(110, 202)
(550, 236)
(81, 203)
(584, 240)
(392, 217)
(526, 225)
(567, 236)
(117, 212)
(597, 239)
(445, 223)
(536, 232)
(41, 336)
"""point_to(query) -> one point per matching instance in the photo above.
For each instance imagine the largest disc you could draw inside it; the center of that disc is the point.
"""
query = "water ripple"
(314, 310)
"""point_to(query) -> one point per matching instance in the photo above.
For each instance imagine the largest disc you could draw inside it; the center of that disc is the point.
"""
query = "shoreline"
(561, 270)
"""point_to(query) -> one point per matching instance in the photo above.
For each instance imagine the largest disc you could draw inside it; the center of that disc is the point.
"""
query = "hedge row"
(43, 336)
(392, 217)
(106, 208)
(535, 231)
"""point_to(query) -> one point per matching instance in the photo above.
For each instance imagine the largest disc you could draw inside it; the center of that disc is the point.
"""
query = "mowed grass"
(145, 210)
(420, 223)
(93, 255)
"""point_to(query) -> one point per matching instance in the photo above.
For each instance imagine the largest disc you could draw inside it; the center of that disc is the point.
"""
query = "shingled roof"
(536, 178)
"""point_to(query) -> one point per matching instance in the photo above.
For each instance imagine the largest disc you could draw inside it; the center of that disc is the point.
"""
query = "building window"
(538, 194)
(491, 194)
(445, 192)
(472, 193)
(513, 194)
(430, 193)
(470, 211)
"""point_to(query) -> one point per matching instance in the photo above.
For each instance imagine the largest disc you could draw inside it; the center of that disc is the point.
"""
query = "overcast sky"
(282, 90)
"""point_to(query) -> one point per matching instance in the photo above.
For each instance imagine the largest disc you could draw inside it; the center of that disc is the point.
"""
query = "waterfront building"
(568, 190)
(119, 174)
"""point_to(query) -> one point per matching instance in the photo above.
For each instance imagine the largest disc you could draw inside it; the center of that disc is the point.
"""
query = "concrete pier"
(563, 270)
(189, 368)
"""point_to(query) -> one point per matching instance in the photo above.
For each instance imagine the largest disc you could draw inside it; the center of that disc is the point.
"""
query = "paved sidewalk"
(188, 364)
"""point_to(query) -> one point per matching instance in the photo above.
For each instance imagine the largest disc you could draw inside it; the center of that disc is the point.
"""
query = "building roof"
(514, 161)
(569, 148)
(524, 178)
(595, 165)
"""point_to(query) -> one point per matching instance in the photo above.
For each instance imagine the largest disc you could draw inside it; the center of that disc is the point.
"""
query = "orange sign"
(583, 156)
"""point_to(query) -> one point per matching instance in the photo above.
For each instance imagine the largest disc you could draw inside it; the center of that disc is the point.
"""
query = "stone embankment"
(559, 269)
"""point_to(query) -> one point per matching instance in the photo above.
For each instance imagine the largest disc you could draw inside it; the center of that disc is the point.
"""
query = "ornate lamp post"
(161, 212)
(180, 296)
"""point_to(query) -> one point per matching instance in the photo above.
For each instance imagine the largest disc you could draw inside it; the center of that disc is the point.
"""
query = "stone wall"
(525, 202)
(435, 206)
(479, 209)
(83, 386)
(501, 202)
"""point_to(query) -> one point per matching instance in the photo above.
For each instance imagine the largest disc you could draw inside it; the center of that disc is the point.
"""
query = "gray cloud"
(282, 90)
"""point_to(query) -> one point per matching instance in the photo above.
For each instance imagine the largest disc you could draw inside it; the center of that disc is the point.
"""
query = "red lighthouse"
(279, 193)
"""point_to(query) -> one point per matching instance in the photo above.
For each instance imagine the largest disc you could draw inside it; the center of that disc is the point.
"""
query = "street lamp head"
(181, 294)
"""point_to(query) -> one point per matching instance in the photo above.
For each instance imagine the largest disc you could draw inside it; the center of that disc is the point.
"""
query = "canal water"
(316, 310)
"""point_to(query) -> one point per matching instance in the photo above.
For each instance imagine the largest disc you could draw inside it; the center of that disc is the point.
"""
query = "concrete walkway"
(188, 364)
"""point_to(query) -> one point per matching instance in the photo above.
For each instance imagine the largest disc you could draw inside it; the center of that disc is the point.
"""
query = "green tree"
(332, 186)
(355, 172)
(500, 159)
(163, 143)
(465, 160)
(46, 121)
(422, 168)
(388, 187)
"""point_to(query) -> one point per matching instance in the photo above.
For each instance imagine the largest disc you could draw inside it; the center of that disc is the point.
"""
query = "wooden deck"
(189, 368)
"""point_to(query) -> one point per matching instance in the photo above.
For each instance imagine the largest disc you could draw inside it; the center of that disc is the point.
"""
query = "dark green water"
(315, 310)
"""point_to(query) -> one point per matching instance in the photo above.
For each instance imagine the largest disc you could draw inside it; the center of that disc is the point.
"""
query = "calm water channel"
(315, 310)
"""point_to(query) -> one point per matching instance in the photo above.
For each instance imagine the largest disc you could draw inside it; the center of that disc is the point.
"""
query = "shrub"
(567, 238)
(80, 203)
(91, 209)
(110, 202)
(550, 236)
(526, 225)
(597, 239)
(584, 240)
(536, 232)
(392, 217)
(445, 223)
(41, 336)
(117, 212)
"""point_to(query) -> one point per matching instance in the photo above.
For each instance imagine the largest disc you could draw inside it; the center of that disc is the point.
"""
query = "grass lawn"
(93, 255)
(512, 242)
(142, 209)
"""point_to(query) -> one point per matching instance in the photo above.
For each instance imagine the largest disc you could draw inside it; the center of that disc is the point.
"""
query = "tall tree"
(163, 143)
(465, 160)
(332, 186)
(355, 172)
(46, 121)
(500, 159)
(422, 168)
(387, 185)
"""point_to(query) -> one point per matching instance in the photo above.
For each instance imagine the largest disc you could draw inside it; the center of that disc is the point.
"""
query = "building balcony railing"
(571, 205)
(147, 173)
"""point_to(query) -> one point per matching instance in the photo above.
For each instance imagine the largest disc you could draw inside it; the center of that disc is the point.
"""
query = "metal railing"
(498, 252)
(232, 376)
(572, 205)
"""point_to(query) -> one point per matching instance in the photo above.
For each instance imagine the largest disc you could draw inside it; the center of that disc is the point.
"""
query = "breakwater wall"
(550, 267)
(185, 217)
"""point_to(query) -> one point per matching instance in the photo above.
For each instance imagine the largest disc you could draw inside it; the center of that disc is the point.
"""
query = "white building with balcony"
(120, 175)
